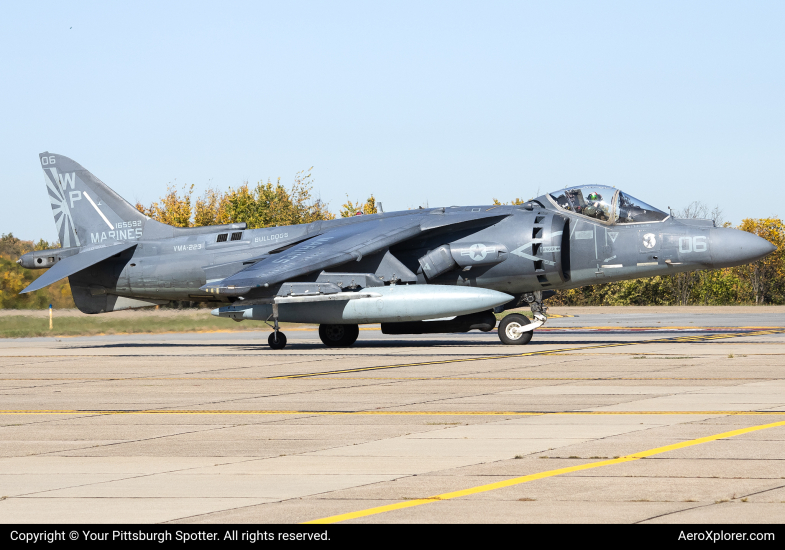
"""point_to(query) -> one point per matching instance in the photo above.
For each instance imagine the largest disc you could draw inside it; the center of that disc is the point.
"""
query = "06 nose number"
(692, 244)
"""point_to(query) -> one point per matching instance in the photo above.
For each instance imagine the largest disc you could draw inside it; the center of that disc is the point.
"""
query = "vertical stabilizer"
(86, 211)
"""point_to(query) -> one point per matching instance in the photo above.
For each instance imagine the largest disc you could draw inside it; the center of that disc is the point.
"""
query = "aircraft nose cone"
(732, 247)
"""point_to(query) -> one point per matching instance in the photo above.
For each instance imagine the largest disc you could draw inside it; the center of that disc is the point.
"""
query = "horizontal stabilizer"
(74, 264)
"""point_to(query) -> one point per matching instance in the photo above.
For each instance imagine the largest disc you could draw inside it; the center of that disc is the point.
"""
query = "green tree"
(765, 278)
(14, 278)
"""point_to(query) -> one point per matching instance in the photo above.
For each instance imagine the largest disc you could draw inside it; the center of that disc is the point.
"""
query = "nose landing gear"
(513, 329)
(517, 329)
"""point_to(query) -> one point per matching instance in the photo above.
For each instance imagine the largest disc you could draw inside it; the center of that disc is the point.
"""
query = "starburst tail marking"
(62, 213)
(86, 211)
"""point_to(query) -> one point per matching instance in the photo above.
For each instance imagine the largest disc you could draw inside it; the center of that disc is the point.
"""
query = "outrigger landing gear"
(518, 329)
(277, 339)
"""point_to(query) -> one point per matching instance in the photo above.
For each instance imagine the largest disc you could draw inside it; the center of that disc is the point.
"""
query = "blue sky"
(416, 102)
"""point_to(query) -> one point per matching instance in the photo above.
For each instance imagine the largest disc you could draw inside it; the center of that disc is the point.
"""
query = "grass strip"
(22, 326)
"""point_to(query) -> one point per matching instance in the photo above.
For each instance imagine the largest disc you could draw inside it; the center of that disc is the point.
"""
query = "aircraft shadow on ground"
(365, 344)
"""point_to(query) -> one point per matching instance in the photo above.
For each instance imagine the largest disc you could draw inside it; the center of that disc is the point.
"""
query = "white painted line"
(97, 210)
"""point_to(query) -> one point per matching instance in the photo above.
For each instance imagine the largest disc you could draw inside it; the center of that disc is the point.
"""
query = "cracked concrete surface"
(196, 428)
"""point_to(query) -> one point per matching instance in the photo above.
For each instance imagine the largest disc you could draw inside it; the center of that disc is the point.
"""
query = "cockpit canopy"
(606, 204)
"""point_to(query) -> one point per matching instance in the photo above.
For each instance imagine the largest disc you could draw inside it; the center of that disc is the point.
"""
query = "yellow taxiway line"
(379, 413)
(413, 378)
(542, 475)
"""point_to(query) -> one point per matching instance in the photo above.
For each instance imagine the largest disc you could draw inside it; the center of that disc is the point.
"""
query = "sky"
(418, 103)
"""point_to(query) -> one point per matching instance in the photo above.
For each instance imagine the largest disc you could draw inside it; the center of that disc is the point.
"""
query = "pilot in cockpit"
(587, 201)
(595, 207)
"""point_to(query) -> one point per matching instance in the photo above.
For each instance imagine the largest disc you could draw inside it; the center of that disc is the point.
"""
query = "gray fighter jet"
(434, 270)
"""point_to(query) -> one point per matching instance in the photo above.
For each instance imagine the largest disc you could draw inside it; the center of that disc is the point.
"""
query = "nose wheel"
(512, 330)
(517, 329)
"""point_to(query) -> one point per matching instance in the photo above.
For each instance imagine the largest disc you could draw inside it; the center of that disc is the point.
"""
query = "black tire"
(338, 336)
(508, 326)
(280, 343)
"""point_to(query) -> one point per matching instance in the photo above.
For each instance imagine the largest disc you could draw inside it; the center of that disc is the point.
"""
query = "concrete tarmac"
(608, 415)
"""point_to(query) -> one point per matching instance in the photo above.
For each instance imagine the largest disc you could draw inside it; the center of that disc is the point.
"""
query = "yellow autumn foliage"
(14, 278)
(349, 208)
(266, 204)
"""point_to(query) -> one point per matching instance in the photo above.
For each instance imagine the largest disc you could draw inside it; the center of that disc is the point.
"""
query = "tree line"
(14, 278)
(265, 204)
(269, 204)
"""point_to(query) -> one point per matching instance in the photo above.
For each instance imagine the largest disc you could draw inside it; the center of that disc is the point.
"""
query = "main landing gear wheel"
(338, 336)
(510, 330)
(277, 340)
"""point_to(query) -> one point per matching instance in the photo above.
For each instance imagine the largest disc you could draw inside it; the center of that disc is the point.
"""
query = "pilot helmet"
(595, 196)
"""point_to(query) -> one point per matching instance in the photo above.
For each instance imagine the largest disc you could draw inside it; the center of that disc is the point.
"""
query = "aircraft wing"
(333, 247)
(337, 246)
(77, 262)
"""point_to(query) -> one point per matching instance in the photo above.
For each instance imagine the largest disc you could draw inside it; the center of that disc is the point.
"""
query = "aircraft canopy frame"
(605, 204)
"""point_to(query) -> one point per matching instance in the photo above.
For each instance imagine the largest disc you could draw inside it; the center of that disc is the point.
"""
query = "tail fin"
(86, 211)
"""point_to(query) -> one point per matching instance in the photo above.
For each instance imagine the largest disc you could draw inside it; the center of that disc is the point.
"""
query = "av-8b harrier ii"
(433, 270)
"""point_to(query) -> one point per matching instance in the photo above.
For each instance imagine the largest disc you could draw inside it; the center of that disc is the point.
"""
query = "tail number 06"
(47, 160)
(692, 244)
